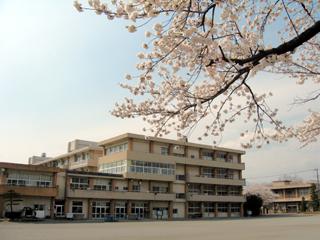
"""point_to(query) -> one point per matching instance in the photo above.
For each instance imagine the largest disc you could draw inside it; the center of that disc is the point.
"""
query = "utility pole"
(317, 172)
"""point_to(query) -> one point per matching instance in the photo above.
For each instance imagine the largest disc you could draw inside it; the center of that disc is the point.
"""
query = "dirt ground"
(282, 228)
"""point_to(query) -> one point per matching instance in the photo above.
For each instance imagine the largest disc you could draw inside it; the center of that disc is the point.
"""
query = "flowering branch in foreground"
(200, 56)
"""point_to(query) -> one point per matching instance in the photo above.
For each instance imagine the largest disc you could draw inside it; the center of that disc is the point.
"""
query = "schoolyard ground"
(271, 228)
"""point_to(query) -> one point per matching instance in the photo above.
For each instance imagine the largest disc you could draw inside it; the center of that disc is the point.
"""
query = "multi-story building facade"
(36, 187)
(82, 155)
(289, 195)
(137, 177)
(174, 179)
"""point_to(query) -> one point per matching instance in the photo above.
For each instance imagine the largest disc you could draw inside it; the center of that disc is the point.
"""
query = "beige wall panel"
(140, 146)
(180, 169)
(194, 152)
(181, 210)
(193, 171)
(61, 182)
(178, 188)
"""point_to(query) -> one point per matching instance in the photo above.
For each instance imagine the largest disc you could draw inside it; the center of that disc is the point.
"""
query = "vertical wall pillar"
(202, 209)
(112, 207)
(241, 210)
(229, 209)
(186, 151)
(186, 210)
(113, 185)
(91, 183)
(130, 185)
(89, 211)
(129, 208)
(151, 146)
(170, 149)
(170, 208)
(130, 144)
(52, 207)
(150, 209)
(216, 209)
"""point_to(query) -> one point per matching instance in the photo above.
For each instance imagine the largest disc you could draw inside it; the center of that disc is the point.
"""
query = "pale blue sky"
(59, 76)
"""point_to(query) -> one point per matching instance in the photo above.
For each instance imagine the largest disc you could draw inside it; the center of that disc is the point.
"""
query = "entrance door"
(59, 209)
(100, 209)
(121, 211)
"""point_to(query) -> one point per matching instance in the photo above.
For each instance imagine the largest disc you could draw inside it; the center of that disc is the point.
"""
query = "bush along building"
(136, 177)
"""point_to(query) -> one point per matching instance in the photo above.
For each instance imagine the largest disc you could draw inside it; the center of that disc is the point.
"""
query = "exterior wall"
(180, 169)
(85, 207)
(193, 171)
(178, 188)
(140, 146)
(193, 152)
(180, 208)
(61, 183)
(121, 184)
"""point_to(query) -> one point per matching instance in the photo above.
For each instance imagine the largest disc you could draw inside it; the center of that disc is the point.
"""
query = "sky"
(59, 79)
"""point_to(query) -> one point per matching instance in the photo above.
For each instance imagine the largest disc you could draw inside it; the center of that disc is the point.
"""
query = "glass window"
(222, 207)
(77, 206)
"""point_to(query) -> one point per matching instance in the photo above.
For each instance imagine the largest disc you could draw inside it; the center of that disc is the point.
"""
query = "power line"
(278, 175)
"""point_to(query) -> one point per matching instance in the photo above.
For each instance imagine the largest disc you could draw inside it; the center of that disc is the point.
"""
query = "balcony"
(216, 181)
(213, 198)
(147, 196)
(291, 198)
(30, 191)
(152, 157)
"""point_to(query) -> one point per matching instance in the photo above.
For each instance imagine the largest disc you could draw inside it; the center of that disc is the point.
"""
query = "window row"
(117, 148)
(151, 168)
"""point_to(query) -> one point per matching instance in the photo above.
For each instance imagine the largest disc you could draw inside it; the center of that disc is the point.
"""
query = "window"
(221, 155)
(117, 148)
(164, 150)
(102, 185)
(235, 207)
(125, 188)
(222, 173)
(207, 155)
(208, 207)
(208, 172)
(159, 189)
(39, 207)
(194, 209)
(222, 207)
(136, 188)
(77, 206)
(180, 195)
(20, 178)
(175, 211)
(151, 168)
(222, 190)
(79, 183)
(194, 188)
(117, 167)
(192, 156)
(181, 177)
(234, 190)
(209, 189)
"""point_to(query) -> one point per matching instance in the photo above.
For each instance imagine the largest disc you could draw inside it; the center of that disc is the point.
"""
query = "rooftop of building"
(286, 184)
(183, 142)
(68, 154)
(28, 167)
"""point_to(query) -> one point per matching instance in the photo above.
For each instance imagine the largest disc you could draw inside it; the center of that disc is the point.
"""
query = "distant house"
(290, 194)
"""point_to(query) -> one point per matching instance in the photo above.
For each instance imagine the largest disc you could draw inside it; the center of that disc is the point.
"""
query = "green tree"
(12, 198)
(314, 198)
(253, 203)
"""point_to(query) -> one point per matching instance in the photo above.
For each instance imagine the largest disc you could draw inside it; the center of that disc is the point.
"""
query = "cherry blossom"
(200, 58)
